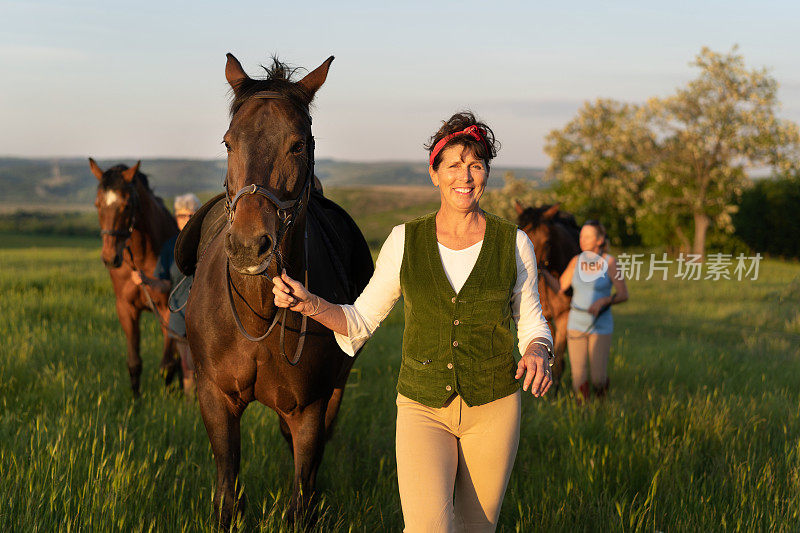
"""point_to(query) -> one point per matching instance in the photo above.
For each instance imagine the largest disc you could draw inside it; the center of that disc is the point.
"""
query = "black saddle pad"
(340, 263)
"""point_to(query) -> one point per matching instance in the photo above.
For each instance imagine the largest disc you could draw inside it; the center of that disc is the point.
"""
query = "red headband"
(473, 131)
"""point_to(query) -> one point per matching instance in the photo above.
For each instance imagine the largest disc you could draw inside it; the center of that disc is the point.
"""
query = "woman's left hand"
(597, 305)
(537, 372)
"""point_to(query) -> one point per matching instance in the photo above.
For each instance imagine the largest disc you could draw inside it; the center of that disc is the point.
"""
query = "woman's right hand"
(291, 294)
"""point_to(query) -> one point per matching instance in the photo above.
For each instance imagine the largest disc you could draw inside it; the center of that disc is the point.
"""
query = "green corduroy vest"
(458, 343)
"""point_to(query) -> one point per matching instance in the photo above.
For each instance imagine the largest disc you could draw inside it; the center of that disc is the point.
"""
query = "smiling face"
(590, 239)
(461, 178)
(182, 218)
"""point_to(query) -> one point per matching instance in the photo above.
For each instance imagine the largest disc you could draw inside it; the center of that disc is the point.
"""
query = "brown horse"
(134, 224)
(270, 219)
(554, 235)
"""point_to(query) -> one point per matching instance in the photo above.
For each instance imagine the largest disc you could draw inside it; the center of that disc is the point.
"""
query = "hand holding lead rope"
(291, 294)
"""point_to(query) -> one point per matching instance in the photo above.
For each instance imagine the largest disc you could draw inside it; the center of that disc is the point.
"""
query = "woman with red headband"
(464, 275)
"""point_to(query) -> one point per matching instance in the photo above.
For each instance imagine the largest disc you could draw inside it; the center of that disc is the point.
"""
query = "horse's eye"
(227, 146)
(298, 147)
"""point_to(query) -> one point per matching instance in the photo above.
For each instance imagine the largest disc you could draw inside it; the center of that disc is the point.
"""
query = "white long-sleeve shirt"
(383, 290)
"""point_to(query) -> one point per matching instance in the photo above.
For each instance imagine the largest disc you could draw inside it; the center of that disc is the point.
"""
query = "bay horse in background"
(267, 220)
(554, 235)
(134, 224)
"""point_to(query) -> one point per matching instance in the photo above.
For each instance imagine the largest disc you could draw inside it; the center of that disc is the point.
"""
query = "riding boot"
(601, 390)
(582, 393)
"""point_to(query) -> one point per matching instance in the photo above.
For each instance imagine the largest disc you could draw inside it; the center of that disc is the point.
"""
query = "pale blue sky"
(146, 79)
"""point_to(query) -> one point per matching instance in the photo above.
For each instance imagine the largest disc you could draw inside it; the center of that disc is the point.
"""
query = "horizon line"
(178, 158)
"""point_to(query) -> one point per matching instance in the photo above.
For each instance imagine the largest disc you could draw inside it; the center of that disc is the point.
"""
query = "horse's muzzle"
(250, 256)
(114, 262)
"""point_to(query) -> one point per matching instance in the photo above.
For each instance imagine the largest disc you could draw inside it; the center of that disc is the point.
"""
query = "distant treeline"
(768, 217)
(24, 182)
(37, 222)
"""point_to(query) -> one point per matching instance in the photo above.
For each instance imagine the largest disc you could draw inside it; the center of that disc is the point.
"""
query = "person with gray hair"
(186, 203)
(169, 278)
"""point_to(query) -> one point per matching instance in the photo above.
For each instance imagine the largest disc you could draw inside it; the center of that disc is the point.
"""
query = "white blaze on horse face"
(111, 197)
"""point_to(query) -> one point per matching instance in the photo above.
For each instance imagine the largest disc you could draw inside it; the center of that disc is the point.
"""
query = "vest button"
(449, 388)
(453, 299)
(456, 322)
(450, 366)
(455, 343)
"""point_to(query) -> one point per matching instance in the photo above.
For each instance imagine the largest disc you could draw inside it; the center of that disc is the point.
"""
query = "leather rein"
(133, 206)
(287, 211)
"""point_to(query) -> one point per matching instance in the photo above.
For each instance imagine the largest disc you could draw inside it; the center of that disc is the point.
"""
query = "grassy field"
(701, 430)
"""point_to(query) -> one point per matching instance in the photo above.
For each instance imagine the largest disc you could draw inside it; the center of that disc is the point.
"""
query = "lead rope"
(150, 303)
(236, 314)
(172, 292)
(301, 340)
(282, 342)
(275, 320)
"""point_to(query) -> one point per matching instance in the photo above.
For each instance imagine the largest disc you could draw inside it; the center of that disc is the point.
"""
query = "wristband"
(550, 355)
(316, 309)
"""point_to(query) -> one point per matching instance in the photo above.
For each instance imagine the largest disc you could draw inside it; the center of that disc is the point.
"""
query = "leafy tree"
(710, 134)
(602, 159)
(501, 201)
(670, 171)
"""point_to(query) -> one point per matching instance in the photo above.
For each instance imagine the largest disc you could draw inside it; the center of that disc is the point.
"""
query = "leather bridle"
(287, 211)
(132, 207)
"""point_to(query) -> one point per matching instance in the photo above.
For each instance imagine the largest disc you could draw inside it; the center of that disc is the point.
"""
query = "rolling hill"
(67, 182)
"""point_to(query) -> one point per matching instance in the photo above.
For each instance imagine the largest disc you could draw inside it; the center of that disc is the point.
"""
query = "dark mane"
(532, 216)
(279, 79)
(113, 180)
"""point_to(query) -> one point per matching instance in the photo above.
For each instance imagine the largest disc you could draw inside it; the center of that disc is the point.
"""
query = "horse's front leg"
(129, 319)
(335, 401)
(308, 437)
(221, 416)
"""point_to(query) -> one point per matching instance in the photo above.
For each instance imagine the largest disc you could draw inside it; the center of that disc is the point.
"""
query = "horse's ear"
(551, 212)
(518, 207)
(96, 170)
(128, 174)
(314, 79)
(234, 72)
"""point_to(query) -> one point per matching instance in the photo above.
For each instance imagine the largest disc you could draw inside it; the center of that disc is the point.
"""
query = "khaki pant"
(453, 463)
(592, 349)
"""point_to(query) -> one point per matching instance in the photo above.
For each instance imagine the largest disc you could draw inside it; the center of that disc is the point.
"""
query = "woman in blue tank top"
(591, 274)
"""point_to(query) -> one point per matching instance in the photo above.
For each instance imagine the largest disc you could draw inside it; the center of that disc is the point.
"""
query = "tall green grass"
(701, 430)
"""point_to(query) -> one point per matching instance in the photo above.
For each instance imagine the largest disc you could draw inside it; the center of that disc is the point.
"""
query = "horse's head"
(536, 223)
(270, 162)
(117, 202)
